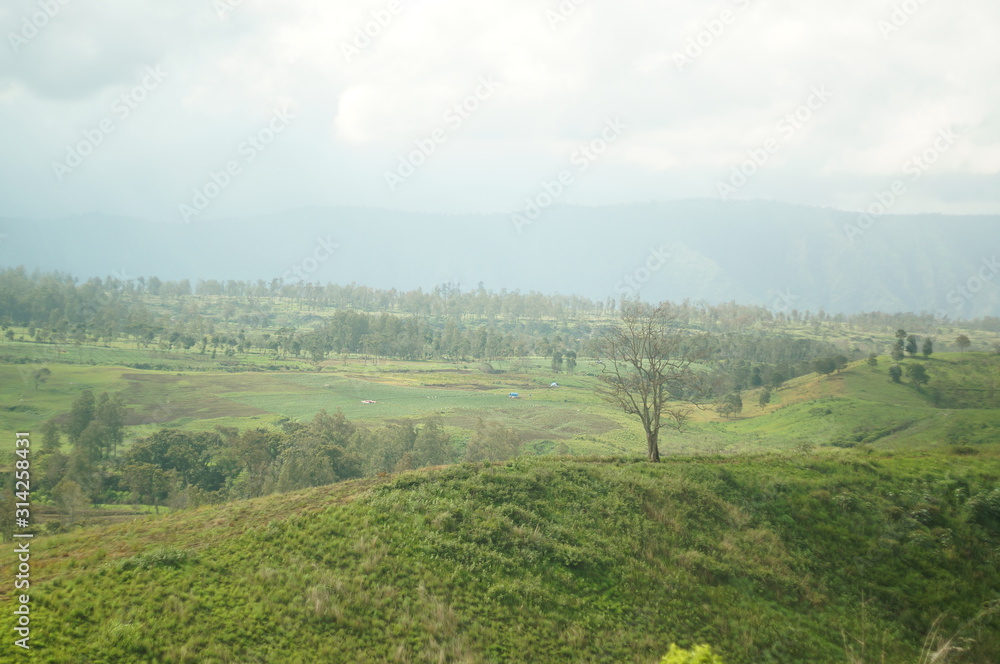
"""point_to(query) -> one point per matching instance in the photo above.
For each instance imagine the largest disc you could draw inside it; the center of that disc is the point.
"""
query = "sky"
(198, 109)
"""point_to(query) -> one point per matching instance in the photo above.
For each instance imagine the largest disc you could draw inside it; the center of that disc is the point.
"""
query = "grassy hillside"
(768, 558)
(862, 406)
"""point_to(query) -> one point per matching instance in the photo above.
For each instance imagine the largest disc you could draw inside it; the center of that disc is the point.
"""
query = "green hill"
(862, 406)
(774, 558)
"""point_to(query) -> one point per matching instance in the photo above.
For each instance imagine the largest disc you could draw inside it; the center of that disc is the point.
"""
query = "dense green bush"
(698, 655)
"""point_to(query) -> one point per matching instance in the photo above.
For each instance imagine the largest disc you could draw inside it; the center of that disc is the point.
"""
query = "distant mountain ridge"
(780, 256)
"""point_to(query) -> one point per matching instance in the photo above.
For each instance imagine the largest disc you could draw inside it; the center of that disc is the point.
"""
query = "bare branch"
(652, 369)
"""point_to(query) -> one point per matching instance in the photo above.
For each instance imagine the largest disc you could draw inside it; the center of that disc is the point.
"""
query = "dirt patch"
(433, 371)
(160, 378)
(159, 398)
(542, 424)
(218, 383)
(461, 386)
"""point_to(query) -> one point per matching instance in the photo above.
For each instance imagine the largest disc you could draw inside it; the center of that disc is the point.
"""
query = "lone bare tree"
(650, 369)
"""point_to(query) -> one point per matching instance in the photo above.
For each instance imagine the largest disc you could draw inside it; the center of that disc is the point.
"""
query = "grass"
(768, 558)
(741, 539)
(24, 408)
(860, 406)
(202, 400)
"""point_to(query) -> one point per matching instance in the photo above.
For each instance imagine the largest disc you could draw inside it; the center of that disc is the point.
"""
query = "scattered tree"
(765, 397)
(40, 375)
(109, 412)
(897, 351)
(840, 362)
(928, 348)
(80, 416)
(570, 360)
(918, 374)
(911, 345)
(557, 361)
(51, 436)
(872, 360)
(147, 483)
(729, 405)
(776, 378)
(651, 363)
(70, 499)
(963, 342)
(824, 365)
(895, 373)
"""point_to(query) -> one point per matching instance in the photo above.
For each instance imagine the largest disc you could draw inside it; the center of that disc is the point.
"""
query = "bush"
(986, 508)
(698, 655)
(162, 557)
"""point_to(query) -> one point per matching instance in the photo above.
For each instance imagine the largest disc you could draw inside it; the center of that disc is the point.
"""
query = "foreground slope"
(768, 558)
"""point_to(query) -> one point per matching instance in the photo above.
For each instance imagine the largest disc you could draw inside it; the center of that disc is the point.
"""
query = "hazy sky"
(142, 108)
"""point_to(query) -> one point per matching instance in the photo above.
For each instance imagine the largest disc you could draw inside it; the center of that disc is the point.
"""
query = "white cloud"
(606, 59)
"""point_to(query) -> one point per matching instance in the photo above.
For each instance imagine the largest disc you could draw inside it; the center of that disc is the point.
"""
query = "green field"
(850, 509)
(859, 406)
(203, 400)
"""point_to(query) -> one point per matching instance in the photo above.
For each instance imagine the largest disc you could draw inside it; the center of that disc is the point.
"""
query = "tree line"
(45, 299)
(79, 462)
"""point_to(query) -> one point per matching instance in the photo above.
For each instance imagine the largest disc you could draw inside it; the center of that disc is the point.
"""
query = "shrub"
(698, 655)
(986, 508)
(162, 557)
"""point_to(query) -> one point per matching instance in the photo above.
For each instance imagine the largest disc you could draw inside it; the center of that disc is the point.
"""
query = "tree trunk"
(652, 447)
